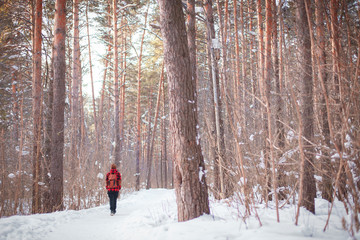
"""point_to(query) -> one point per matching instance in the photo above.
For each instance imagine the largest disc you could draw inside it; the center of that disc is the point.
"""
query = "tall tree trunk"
(304, 45)
(337, 89)
(276, 67)
(218, 174)
(210, 123)
(224, 75)
(220, 158)
(251, 12)
(261, 79)
(280, 130)
(326, 186)
(138, 114)
(47, 135)
(163, 134)
(122, 89)
(18, 187)
(190, 181)
(261, 46)
(152, 142)
(269, 74)
(81, 158)
(37, 93)
(279, 139)
(266, 88)
(243, 105)
(103, 89)
(75, 106)
(92, 84)
(57, 139)
(223, 34)
(101, 107)
(15, 108)
(148, 140)
(237, 54)
(116, 85)
(336, 74)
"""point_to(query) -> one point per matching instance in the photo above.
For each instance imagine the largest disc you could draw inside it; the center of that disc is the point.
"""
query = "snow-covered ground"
(152, 215)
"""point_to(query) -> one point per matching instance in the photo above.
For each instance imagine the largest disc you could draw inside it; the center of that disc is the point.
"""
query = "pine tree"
(191, 190)
(57, 147)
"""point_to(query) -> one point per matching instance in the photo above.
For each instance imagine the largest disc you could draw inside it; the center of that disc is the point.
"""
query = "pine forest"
(252, 101)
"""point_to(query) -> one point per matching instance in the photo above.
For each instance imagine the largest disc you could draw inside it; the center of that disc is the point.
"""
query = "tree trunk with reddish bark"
(307, 114)
(57, 146)
(326, 186)
(116, 85)
(190, 181)
(37, 93)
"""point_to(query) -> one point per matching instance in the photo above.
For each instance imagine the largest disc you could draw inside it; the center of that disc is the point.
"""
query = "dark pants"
(113, 195)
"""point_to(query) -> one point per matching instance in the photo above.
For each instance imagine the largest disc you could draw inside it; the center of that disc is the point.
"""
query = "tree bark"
(164, 160)
(75, 103)
(15, 108)
(269, 74)
(57, 147)
(122, 89)
(47, 145)
(220, 157)
(237, 55)
(265, 89)
(337, 97)
(116, 85)
(304, 45)
(138, 108)
(37, 93)
(243, 102)
(92, 84)
(326, 186)
(280, 130)
(261, 46)
(223, 27)
(18, 192)
(152, 142)
(148, 135)
(261, 79)
(190, 181)
(107, 61)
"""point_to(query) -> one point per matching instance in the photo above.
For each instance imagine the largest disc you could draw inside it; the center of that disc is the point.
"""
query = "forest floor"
(152, 215)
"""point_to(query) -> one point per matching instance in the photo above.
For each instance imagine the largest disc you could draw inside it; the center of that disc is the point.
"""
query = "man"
(113, 186)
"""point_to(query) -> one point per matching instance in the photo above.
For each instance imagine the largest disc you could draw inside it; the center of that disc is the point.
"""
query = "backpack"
(113, 183)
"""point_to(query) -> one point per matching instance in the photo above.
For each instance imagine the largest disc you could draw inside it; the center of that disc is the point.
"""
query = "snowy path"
(134, 214)
(151, 215)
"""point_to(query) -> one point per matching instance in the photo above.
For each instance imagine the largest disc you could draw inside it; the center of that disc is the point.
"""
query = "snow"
(290, 135)
(23, 153)
(198, 9)
(100, 176)
(11, 175)
(201, 174)
(251, 138)
(151, 214)
(215, 43)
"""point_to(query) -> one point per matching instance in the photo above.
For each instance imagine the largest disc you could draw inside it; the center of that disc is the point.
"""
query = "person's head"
(113, 166)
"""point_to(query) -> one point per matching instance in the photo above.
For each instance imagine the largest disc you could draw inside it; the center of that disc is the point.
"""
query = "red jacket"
(118, 178)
